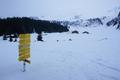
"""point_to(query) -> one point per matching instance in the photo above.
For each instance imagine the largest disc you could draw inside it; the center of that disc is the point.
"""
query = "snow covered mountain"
(115, 22)
(82, 22)
(78, 21)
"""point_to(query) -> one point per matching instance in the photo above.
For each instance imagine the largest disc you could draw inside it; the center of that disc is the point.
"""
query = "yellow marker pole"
(24, 49)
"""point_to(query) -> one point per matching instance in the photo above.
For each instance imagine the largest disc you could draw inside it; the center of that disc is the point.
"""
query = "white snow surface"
(93, 56)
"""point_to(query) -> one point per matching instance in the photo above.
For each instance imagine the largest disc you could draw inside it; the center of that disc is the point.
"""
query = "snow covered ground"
(93, 56)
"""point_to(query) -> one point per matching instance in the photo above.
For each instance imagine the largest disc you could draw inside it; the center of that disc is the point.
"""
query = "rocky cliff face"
(115, 22)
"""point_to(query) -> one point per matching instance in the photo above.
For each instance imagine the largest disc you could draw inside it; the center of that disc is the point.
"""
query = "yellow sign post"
(24, 48)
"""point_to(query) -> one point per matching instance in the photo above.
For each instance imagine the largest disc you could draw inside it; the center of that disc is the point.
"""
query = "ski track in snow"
(107, 66)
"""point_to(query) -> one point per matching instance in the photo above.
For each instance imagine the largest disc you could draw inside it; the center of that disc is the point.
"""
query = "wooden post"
(24, 66)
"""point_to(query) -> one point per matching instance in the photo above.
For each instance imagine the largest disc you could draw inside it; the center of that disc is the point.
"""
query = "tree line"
(22, 25)
(12, 27)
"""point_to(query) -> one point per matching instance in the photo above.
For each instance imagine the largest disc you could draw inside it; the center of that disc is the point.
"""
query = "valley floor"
(66, 56)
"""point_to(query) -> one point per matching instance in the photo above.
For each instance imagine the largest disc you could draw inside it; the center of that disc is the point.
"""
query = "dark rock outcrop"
(115, 22)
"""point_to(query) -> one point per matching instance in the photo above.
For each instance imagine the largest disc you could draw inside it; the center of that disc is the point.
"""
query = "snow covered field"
(94, 56)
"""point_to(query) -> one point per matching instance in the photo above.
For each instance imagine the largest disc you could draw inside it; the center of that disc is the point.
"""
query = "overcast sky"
(56, 8)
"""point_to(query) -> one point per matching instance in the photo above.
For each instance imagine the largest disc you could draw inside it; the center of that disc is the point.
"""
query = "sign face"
(24, 47)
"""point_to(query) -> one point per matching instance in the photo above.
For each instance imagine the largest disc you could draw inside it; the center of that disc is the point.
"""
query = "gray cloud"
(56, 8)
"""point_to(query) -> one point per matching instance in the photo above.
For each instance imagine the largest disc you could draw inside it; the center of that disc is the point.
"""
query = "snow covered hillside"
(112, 18)
(66, 56)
